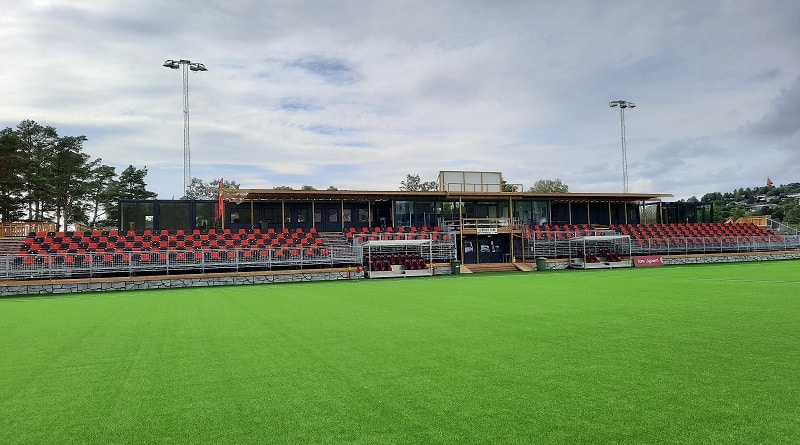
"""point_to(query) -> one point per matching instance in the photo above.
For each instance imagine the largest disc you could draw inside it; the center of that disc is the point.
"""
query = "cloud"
(358, 94)
(783, 119)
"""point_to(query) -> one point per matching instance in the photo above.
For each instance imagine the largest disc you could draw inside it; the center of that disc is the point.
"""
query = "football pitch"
(681, 354)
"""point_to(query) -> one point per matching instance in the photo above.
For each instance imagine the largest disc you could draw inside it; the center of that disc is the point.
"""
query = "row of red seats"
(390, 233)
(390, 229)
(704, 230)
(174, 256)
(112, 241)
(556, 231)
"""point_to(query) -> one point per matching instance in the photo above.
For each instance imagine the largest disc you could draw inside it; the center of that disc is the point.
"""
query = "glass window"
(240, 215)
(347, 216)
(204, 215)
(272, 215)
(137, 215)
(302, 215)
(174, 215)
(333, 215)
(363, 215)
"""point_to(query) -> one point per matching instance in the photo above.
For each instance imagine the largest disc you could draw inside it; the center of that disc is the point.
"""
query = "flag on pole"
(220, 205)
(769, 182)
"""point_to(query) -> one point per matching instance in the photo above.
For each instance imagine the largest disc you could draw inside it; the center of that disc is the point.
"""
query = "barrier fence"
(63, 265)
(559, 246)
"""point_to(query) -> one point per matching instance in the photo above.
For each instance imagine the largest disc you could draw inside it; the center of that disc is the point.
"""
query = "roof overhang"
(266, 195)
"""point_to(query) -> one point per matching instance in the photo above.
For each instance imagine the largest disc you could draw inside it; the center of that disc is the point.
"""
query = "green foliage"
(131, 184)
(413, 183)
(12, 183)
(776, 202)
(549, 186)
(47, 177)
(207, 190)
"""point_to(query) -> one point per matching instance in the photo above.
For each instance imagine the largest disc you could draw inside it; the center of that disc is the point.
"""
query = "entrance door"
(327, 218)
(298, 216)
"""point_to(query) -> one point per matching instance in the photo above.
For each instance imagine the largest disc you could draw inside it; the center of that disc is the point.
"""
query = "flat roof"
(401, 195)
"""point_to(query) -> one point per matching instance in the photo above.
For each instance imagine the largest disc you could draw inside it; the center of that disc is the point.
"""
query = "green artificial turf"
(694, 354)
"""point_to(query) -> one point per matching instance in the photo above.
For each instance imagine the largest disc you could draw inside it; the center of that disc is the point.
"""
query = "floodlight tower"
(622, 104)
(186, 65)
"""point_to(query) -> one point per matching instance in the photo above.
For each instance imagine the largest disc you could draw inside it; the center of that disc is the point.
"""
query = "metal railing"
(63, 265)
(442, 249)
(780, 227)
(24, 228)
(559, 245)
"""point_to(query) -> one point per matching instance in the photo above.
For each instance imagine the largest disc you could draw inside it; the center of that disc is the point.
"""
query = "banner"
(648, 261)
(220, 206)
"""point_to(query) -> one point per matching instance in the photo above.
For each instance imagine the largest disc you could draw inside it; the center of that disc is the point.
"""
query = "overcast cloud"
(356, 94)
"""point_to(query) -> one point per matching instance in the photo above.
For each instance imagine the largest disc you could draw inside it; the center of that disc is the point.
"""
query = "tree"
(549, 186)
(70, 171)
(12, 183)
(414, 184)
(131, 184)
(282, 187)
(207, 190)
(793, 213)
(332, 188)
(308, 187)
(38, 144)
(100, 196)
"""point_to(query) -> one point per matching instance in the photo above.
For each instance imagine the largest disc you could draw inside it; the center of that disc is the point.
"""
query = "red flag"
(220, 205)
(769, 182)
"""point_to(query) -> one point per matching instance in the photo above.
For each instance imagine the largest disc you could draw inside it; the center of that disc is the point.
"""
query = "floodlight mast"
(622, 104)
(186, 65)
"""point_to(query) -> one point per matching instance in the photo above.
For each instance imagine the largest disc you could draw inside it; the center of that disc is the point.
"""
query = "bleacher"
(663, 239)
(389, 233)
(108, 252)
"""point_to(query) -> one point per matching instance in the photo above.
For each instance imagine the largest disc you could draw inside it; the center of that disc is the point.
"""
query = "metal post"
(622, 106)
(185, 66)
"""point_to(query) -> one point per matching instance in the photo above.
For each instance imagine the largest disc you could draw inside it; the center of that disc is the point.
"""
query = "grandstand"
(382, 252)
(93, 253)
(662, 239)
(386, 233)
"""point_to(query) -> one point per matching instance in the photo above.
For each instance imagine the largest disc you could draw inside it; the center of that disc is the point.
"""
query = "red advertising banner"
(648, 261)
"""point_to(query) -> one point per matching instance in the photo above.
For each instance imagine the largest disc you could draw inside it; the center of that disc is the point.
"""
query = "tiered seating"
(391, 233)
(696, 234)
(178, 246)
(556, 232)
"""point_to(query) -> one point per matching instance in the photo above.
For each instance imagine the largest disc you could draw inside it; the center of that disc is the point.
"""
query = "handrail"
(24, 228)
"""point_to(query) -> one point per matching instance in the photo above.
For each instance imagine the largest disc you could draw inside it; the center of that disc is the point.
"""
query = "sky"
(358, 94)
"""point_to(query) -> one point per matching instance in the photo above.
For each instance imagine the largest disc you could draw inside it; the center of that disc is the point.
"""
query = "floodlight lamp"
(198, 67)
(171, 64)
(612, 104)
(631, 105)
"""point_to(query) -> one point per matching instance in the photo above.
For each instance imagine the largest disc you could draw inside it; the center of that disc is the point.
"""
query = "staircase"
(334, 239)
(10, 246)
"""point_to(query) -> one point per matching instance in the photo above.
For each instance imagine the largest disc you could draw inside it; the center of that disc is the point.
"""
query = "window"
(137, 216)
